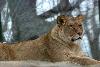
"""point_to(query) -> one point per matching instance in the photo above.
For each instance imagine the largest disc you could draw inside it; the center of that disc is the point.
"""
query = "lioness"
(60, 44)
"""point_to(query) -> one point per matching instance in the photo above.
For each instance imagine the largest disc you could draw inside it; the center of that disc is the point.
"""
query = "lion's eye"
(70, 25)
(80, 25)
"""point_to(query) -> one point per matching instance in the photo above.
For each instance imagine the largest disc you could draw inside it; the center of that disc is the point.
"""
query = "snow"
(40, 64)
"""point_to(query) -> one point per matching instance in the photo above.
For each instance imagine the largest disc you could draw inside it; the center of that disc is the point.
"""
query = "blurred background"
(28, 19)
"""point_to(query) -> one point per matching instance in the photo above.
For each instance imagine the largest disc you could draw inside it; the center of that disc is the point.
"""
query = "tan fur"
(60, 44)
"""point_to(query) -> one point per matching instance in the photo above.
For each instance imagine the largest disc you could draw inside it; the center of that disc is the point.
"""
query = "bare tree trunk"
(63, 6)
(93, 35)
(1, 36)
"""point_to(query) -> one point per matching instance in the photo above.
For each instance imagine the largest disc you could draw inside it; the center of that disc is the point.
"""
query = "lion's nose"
(79, 33)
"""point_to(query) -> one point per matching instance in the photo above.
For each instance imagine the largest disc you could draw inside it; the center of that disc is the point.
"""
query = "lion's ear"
(81, 18)
(61, 20)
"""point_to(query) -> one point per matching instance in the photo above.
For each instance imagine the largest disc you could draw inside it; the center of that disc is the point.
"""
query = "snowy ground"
(39, 64)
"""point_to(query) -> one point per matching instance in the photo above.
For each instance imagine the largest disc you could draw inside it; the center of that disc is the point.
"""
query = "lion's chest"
(63, 49)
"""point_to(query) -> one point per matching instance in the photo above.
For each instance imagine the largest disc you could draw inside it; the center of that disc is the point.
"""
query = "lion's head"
(70, 28)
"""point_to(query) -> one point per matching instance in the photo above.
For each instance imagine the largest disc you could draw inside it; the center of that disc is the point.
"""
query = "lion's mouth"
(74, 39)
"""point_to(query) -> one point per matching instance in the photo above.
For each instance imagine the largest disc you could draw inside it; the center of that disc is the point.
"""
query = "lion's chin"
(76, 40)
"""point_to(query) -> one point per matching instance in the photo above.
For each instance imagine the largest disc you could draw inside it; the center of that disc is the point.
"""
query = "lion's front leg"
(57, 57)
(83, 60)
